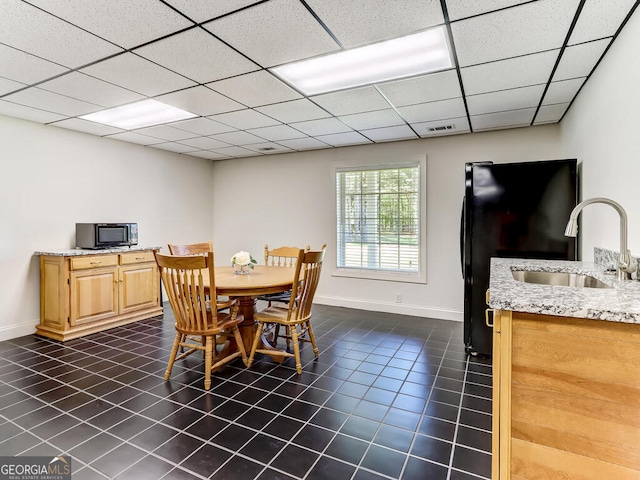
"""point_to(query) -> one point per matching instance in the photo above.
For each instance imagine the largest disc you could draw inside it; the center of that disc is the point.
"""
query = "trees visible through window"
(378, 218)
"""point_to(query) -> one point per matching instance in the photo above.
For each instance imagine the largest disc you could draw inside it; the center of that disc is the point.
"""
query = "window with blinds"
(378, 218)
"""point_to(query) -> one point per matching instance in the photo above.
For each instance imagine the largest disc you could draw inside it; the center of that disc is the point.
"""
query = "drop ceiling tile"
(277, 132)
(236, 152)
(238, 138)
(467, 8)
(197, 55)
(579, 60)
(25, 68)
(513, 118)
(512, 73)
(200, 100)
(137, 74)
(377, 20)
(31, 30)
(294, 111)
(255, 89)
(27, 113)
(86, 126)
(550, 113)
(378, 119)
(426, 88)
(133, 137)
(323, 126)
(274, 32)
(52, 102)
(245, 119)
(307, 143)
(340, 139)
(122, 22)
(600, 18)
(174, 147)
(89, 89)
(400, 132)
(165, 132)
(204, 143)
(7, 86)
(208, 155)
(202, 126)
(427, 112)
(268, 148)
(562, 91)
(513, 99)
(202, 10)
(352, 101)
(528, 28)
(459, 125)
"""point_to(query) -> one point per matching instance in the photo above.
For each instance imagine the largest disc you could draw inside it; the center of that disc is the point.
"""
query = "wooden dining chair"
(287, 257)
(297, 315)
(197, 324)
(198, 249)
(279, 257)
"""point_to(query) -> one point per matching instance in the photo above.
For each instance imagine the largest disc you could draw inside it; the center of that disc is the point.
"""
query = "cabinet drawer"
(93, 261)
(136, 257)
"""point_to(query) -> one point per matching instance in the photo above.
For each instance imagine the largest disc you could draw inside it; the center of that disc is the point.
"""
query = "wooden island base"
(566, 397)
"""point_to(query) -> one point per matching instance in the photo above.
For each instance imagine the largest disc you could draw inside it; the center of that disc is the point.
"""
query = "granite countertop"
(74, 252)
(618, 304)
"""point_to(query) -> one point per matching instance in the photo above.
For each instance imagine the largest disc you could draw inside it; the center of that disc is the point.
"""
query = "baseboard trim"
(18, 330)
(398, 308)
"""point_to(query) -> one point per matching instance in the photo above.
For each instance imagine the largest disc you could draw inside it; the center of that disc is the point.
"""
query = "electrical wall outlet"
(398, 297)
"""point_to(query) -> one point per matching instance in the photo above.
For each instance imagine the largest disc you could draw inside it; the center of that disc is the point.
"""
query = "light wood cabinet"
(566, 396)
(80, 295)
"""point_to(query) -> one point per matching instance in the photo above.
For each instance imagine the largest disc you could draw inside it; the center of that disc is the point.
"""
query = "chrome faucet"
(625, 266)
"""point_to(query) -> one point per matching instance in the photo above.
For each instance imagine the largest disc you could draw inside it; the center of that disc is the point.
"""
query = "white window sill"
(378, 275)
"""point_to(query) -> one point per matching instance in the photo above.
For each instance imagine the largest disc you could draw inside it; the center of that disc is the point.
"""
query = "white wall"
(288, 199)
(602, 130)
(52, 178)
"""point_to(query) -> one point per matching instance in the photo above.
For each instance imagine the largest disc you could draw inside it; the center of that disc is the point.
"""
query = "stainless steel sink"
(559, 278)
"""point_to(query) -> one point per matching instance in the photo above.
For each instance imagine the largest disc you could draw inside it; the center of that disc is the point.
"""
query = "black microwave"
(106, 235)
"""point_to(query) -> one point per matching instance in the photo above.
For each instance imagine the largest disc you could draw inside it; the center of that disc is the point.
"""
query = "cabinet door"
(94, 295)
(139, 287)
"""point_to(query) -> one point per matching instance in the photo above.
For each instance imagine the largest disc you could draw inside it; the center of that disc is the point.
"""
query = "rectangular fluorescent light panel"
(139, 114)
(415, 54)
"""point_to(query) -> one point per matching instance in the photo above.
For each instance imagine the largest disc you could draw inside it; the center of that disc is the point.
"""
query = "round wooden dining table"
(261, 280)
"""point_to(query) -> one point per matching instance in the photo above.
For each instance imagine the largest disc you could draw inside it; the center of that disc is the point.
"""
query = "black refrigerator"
(511, 210)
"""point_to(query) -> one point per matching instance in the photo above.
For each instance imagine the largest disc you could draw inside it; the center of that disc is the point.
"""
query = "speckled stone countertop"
(618, 304)
(74, 252)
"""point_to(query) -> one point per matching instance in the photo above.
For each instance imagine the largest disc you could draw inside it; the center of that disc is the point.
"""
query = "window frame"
(380, 164)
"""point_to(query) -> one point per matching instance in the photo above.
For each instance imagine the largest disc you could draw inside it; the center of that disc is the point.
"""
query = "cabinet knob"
(95, 263)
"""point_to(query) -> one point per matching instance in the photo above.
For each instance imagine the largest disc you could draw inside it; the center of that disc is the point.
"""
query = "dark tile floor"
(390, 397)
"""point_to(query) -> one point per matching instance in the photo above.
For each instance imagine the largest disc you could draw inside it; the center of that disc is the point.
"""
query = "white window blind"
(378, 218)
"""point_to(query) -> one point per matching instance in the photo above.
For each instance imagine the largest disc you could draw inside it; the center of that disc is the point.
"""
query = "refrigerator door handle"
(462, 238)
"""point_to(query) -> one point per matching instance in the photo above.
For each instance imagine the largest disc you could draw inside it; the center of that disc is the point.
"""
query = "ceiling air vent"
(266, 149)
(441, 128)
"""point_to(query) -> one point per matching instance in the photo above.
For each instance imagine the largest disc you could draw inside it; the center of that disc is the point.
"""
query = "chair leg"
(240, 343)
(312, 337)
(208, 360)
(256, 340)
(172, 357)
(287, 332)
(296, 348)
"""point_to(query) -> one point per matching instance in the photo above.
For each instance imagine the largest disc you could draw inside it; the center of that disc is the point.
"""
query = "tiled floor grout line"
(426, 405)
(455, 433)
